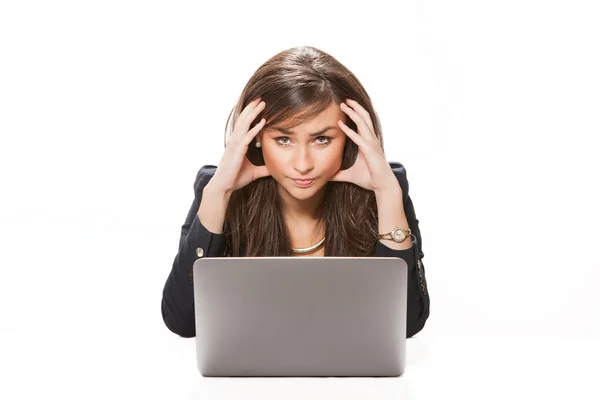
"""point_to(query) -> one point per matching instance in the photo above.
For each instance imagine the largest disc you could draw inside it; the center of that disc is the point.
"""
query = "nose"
(303, 162)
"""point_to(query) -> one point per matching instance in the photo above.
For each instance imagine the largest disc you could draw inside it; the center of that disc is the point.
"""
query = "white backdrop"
(108, 109)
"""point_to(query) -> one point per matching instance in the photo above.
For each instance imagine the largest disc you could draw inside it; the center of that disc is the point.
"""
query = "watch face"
(398, 234)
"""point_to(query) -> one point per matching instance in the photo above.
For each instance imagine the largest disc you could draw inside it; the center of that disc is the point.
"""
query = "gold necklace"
(309, 249)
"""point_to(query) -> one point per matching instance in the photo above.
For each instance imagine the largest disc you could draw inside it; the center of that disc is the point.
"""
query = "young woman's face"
(312, 150)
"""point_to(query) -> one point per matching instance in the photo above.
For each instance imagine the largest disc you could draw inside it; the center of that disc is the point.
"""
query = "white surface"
(102, 366)
(108, 109)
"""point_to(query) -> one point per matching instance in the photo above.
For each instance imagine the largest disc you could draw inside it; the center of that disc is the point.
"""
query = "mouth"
(303, 182)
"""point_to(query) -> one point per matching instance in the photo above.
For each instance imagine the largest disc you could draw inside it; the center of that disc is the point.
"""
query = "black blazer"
(177, 306)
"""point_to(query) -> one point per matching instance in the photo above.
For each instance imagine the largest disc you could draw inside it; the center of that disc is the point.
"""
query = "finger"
(250, 106)
(251, 111)
(362, 112)
(356, 138)
(361, 124)
(248, 115)
(254, 113)
(254, 131)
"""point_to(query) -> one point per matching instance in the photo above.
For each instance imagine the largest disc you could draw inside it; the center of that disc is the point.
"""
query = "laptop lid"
(300, 316)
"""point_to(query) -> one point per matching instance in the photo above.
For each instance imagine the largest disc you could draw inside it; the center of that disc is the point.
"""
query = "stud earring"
(257, 144)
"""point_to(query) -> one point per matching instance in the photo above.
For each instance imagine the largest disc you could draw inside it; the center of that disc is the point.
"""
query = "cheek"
(332, 160)
(336, 152)
(273, 159)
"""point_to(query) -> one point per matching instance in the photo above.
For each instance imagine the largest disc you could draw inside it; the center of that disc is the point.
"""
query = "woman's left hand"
(371, 170)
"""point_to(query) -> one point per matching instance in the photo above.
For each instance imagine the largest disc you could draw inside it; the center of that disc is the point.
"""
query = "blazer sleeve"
(417, 293)
(177, 306)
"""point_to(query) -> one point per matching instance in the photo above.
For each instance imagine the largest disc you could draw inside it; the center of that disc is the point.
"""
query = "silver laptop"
(300, 316)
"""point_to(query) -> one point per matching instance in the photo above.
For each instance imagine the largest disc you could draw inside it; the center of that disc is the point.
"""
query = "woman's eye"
(324, 142)
(281, 137)
(327, 140)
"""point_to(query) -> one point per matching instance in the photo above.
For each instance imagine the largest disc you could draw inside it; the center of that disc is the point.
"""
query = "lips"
(303, 182)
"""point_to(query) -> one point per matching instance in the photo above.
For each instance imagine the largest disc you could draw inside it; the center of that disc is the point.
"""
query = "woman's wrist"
(214, 191)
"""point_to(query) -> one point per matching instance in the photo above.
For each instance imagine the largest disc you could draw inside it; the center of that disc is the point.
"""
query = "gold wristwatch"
(397, 235)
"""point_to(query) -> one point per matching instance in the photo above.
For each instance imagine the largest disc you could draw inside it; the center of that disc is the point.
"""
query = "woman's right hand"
(235, 171)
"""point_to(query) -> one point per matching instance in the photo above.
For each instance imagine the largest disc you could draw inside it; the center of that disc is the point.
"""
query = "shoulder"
(400, 172)
(205, 173)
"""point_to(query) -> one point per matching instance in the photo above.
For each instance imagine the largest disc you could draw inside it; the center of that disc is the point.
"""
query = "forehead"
(327, 117)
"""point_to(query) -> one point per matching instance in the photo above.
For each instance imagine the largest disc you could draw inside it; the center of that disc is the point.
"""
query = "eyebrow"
(287, 132)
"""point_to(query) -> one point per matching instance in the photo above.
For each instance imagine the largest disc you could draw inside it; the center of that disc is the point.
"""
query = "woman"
(303, 174)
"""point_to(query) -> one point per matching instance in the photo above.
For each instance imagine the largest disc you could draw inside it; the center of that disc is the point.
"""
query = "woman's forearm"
(212, 208)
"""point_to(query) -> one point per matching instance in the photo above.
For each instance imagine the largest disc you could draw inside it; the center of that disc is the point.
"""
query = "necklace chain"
(309, 249)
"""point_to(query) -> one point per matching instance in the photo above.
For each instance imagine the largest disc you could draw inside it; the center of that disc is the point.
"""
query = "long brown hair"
(297, 84)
